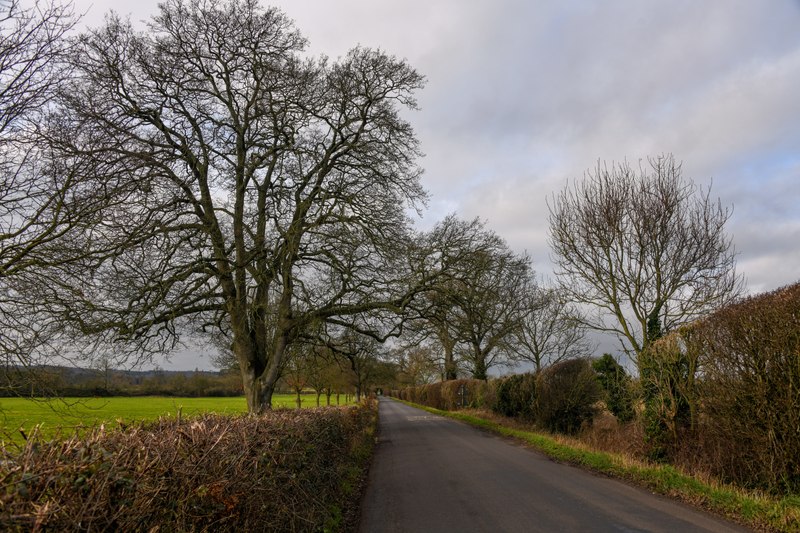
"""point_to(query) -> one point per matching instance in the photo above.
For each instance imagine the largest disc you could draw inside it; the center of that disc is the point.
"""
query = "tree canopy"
(266, 190)
(644, 247)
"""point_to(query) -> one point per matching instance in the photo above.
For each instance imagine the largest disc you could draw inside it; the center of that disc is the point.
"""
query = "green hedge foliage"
(568, 395)
(515, 395)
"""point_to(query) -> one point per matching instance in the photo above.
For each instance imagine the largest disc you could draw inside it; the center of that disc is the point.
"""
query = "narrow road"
(433, 474)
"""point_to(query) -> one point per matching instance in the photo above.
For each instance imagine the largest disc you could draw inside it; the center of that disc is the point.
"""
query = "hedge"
(287, 470)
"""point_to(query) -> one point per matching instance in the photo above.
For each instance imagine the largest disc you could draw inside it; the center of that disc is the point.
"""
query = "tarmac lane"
(434, 474)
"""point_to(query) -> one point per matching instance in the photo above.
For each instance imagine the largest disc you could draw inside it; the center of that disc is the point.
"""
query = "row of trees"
(487, 309)
(639, 252)
(67, 381)
(208, 179)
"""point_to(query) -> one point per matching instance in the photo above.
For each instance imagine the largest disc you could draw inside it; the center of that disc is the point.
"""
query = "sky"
(523, 96)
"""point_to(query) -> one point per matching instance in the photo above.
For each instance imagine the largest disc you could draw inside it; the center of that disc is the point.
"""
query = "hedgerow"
(568, 392)
(449, 395)
(749, 395)
(515, 395)
(287, 470)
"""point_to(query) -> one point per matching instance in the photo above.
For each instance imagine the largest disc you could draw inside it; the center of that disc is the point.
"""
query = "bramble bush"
(287, 470)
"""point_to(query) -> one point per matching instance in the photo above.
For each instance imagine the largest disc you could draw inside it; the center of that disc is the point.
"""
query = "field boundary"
(292, 470)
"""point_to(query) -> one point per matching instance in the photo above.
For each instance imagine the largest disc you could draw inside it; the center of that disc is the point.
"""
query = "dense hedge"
(449, 395)
(750, 394)
(726, 390)
(288, 470)
(515, 395)
(618, 387)
(562, 398)
(568, 393)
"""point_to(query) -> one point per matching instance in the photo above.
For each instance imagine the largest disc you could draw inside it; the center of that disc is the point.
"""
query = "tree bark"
(480, 370)
(450, 369)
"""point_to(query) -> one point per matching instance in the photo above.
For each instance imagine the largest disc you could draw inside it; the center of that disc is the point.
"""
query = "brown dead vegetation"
(287, 470)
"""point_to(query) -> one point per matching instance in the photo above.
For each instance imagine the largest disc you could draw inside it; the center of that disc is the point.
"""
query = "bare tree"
(270, 188)
(417, 364)
(358, 357)
(297, 372)
(489, 303)
(477, 303)
(552, 329)
(324, 373)
(40, 202)
(645, 247)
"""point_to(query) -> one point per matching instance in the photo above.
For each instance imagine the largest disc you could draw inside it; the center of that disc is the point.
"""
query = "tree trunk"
(319, 393)
(257, 392)
(480, 371)
(259, 373)
(450, 370)
(298, 401)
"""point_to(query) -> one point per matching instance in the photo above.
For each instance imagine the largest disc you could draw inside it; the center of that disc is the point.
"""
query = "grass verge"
(756, 510)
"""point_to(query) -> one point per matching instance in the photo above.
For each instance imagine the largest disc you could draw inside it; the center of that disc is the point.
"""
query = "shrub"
(515, 395)
(617, 386)
(566, 395)
(283, 471)
(668, 379)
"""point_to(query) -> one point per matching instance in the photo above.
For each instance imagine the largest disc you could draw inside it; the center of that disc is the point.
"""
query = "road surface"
(433, 474)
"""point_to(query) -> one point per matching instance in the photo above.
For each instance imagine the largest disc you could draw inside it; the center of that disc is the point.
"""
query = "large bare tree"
(645, 247)
(41, 203)
(489, 304)
(270, 188)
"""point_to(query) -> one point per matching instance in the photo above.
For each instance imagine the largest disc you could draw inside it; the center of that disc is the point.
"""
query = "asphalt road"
(433, 474)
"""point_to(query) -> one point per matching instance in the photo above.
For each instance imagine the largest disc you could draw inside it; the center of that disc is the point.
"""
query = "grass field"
(69, 413)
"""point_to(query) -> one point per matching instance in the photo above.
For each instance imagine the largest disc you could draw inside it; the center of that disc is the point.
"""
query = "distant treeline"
(44, 381)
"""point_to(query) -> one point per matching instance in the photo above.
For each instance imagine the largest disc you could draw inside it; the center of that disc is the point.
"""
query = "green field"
(70, 413)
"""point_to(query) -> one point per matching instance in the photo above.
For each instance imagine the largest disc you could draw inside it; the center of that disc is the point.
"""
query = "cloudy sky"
(524, 95)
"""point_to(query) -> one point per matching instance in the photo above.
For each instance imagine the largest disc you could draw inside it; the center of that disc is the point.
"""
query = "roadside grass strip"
(754, 509)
